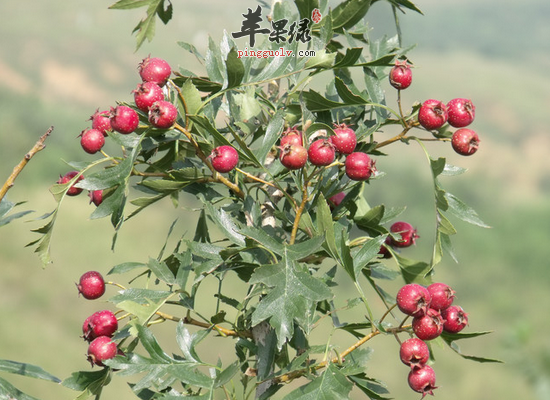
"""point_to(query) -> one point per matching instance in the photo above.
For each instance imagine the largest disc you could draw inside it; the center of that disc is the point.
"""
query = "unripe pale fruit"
(91, 285)
(224, 158)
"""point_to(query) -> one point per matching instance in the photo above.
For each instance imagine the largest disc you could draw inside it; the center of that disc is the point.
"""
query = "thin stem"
(299, 211)
(115, 284)
(38, 146)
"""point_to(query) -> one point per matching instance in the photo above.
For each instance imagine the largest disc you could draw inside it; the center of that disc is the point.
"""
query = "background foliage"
(507, 180)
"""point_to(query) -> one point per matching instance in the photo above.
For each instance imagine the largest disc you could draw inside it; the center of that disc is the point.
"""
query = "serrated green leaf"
(140, 296)
(325, 224)
(188, 341)
(151, 345)
(28, 370)
(322, 59)
(227, 225)
(438, 166)
(125, 267)
(350, 58)
(301, 250)
(293, 291)
(374, 389)
(192, 97)
(450, 338)
(90, 381)
(452, 170)
(161, 271)
(413, 270)
(330, 385)
(444, 225)
(315, 102)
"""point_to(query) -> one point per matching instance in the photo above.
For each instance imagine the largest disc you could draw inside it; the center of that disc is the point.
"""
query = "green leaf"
(235, 69)
(161, 271)
(366, 254)
(293, 291)
(90, 382)
(129, 4)
(272, 134)
(330, 385)
(192, 97)
(28, 370)
(151, 344)
(125, 267)
(316, 102)
(10, 392)
(306, 7)
(413, 271)
(325, 224)
(350, 58)
(227, 225)
(346, 94)
(450, 338)
(187, 341)
(348, 13)
(461, 210)
(5, 207)
(373, 388)
(322, 59)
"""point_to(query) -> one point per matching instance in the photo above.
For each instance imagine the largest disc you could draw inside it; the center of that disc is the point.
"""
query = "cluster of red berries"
(149, 98)
(433, 114)
(433, 312)
(99, 328)
(323, 150)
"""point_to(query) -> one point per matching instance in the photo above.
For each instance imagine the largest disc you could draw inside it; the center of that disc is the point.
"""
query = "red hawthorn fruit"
(73, 191)
(336, 200)
(442, 296)
(224, 158)
(293, 156)
(101, 349)
(92, 140)
(401, 75)
(101, 121)
(465, 141)
(124, 119)
(359, 166)
(101, 323)
(432, 114)
(291, 136)
(153, 69)
(406, 231)
(91, 285)
(422, 380)
(146, 94)
(344, 139)
(163, 114)
(321, 152)
(428, 326)
(414, 353)
(461, 112)
(413, 299)
(455, 319)
(96, 196)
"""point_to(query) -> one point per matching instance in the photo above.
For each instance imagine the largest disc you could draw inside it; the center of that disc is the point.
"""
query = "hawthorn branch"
(190, 321)
(219, 178)
(338, 359)
(38, 146)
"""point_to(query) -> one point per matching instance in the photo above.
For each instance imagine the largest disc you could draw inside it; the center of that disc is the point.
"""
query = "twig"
(39, 145)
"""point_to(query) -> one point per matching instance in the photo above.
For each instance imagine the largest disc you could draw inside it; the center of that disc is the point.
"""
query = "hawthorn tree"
(278, 149)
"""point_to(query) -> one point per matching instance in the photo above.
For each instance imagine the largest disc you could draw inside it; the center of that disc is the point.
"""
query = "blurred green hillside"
(60, 61)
